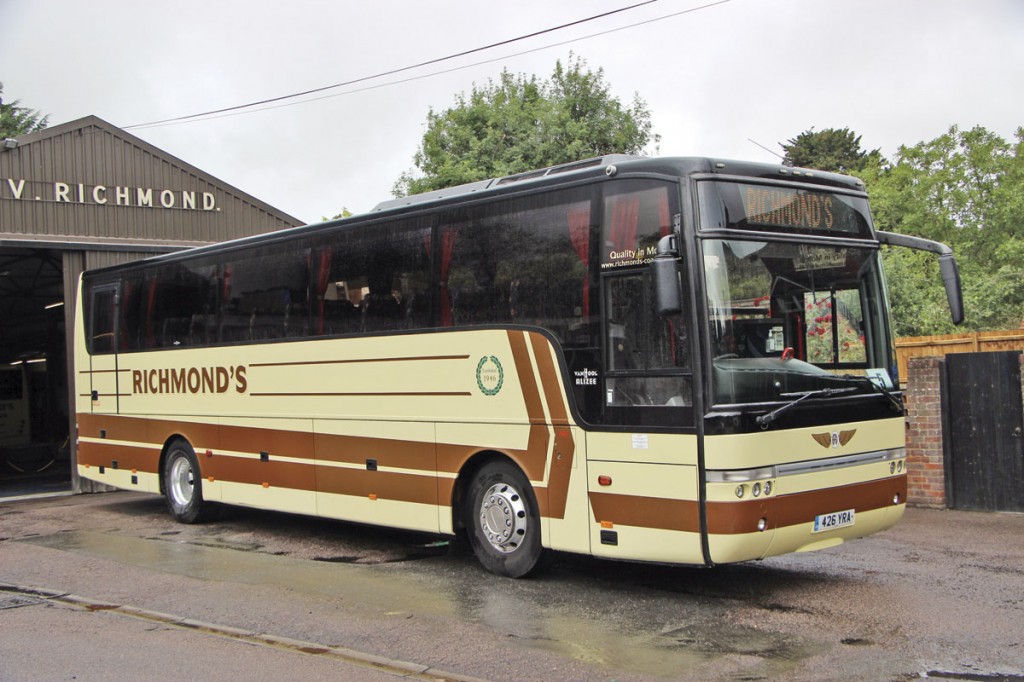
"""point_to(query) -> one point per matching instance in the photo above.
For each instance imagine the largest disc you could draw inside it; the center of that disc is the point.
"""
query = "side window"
(180, 303)
(169, 306)
(102, 334)
(133, 298)
(520, 261)
(373, 278)
(637, 214)
(264, 293)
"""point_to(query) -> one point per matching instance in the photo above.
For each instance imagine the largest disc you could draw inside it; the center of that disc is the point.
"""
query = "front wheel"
(183, 484)
(503, 522)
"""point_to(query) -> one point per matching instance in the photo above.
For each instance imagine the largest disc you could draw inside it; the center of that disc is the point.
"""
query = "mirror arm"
(947, 266)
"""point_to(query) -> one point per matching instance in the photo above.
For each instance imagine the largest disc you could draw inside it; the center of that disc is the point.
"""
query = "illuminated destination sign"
(783, 209)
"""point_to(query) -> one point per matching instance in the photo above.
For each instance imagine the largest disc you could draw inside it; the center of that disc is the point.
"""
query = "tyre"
(183, 484)
(502, 520)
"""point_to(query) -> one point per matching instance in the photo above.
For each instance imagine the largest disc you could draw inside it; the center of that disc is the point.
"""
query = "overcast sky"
(894, 71)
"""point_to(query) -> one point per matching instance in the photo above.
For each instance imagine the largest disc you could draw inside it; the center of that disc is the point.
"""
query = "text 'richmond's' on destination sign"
(750, 206)
(783, 207)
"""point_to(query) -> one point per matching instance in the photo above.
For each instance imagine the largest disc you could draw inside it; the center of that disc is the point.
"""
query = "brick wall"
(926, 474)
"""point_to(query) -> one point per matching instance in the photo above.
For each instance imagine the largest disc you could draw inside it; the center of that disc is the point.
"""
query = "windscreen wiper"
(765, 420)
(897, 404)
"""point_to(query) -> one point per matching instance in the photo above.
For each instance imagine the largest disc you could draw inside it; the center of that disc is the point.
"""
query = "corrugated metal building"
(82, 195)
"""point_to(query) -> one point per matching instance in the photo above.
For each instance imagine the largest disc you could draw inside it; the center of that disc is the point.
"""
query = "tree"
(345, 213)
(520, 123)
(832, 149)
(964, 188)
(16, 120)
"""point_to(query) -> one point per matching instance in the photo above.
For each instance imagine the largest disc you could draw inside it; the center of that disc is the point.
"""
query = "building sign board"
(103, 195)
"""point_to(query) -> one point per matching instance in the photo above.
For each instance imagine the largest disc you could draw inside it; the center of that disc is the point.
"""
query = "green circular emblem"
(489, 375)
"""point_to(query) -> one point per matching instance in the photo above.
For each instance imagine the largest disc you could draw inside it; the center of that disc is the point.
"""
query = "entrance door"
(986, 421)
(648, 380)
(102, 340)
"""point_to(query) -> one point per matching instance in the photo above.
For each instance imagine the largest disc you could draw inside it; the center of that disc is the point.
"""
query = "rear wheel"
(502, 520)
(183, 484)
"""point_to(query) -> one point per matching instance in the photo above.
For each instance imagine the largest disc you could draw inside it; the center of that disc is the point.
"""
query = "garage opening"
(35, 455)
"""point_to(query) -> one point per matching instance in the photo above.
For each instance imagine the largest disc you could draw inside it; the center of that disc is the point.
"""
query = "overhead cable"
(392, 71)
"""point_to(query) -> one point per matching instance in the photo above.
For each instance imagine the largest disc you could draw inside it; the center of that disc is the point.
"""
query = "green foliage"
(964, 188)
(16, 120)
(520, 123)
(345, 213)
(832, 149)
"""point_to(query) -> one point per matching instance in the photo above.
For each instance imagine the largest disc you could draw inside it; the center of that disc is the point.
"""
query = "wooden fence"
(974, 342)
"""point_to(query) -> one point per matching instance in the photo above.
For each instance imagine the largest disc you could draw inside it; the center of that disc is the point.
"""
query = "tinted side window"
(135, 309)
(103, 320)
(169, 305)
(265, 293)
(373, 278)
(520, 261)
(636, 216)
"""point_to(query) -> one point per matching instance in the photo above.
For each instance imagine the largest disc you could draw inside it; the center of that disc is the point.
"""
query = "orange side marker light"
(265, 484)
(607, 524)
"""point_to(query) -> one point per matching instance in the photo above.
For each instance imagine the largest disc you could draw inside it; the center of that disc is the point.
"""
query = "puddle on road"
(644, 631)
(238, 564)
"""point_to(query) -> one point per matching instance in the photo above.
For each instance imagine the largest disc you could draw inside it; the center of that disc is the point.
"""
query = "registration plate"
(839, 519)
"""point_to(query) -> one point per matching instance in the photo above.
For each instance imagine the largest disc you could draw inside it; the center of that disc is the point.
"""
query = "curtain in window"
(666, 227)
(625, 214)
(127, 291)
(150, 313)
(448, 238)
(579, 232)
(323, 273)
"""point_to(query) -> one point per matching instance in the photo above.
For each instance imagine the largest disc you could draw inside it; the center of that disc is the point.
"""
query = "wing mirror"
(665, 276)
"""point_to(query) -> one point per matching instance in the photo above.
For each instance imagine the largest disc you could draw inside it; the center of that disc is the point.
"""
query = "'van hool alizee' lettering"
(189, 380)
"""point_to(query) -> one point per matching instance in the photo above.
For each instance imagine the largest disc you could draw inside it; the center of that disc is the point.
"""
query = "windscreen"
(787, 317)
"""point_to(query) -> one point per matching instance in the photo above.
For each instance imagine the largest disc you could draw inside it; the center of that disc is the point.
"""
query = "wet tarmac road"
(941, 596)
